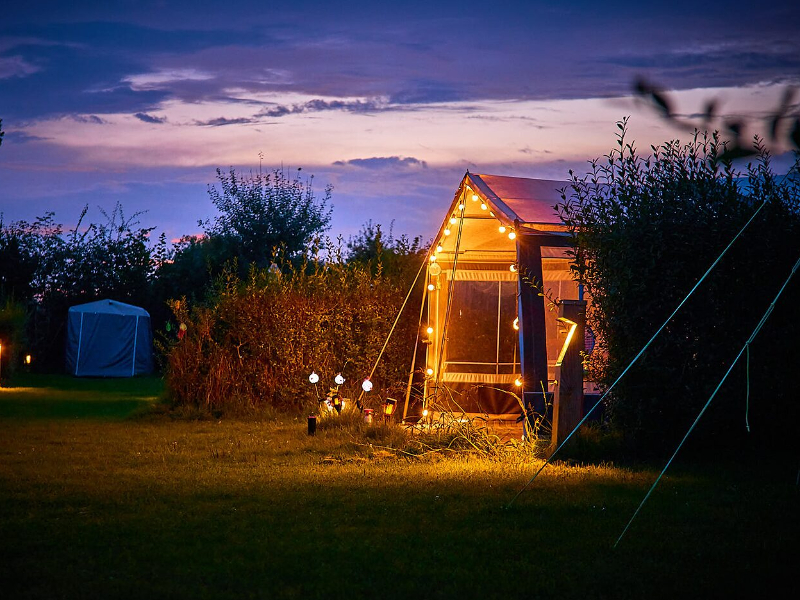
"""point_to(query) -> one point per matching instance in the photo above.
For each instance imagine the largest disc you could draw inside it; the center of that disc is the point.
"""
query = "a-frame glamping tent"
(108, 339)
(498, 262)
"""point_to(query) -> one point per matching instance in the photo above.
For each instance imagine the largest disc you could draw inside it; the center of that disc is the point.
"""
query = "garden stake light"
(312, 424)
(388, 408)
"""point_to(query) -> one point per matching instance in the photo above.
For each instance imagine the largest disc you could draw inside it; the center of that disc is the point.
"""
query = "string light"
(431, 287)
(429, 330)
(461, 206)
(339, 379)
(453, 220)
(502, 229)
(313, 378)
(511, 235)
(474, 197)
(366, 385)
(518, 382)
(424, 412)
(483, 206)
(429, 371)
(439, 248)
(433, 258)
(516, 324)
(447, 232)
(513, 268)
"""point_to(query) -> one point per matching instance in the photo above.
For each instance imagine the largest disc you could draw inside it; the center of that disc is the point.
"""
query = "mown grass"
(159, 508)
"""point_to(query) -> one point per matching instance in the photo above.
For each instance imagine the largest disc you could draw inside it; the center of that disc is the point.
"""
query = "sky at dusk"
(139, 101)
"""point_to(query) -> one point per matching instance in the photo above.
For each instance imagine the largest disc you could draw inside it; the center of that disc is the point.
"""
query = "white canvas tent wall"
(498, 261)
(108, 339)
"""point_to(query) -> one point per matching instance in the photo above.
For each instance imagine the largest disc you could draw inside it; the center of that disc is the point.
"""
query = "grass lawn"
(95, 505)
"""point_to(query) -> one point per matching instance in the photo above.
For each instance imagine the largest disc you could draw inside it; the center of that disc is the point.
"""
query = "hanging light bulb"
(502, 229)
(439, 248)
(511, 235)
(461, 206)
(453, 220)
(483, 206)
(429, 372)
(431, 287)
(516, 324)
(432, 258)
(491, 213)
(429, 330)
(447, 232)
(518, 382)
(474, 197)
(339, 379)
(313, 378)
(424, 412)
(366, 385)
(513, 268)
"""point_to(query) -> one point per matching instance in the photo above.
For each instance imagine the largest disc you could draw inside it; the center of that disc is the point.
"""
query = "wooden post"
(568, 399)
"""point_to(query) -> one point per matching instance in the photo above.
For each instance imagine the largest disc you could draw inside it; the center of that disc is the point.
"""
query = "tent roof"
(110, 307)
(529, 200)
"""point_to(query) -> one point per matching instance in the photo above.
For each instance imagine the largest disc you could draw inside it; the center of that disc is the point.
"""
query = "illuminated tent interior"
(489, 322)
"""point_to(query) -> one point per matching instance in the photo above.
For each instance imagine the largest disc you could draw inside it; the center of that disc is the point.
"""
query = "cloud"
(16, 66)
(90, 119)
(318, 105)
(384, 162)
(220, 121)
(150, 118)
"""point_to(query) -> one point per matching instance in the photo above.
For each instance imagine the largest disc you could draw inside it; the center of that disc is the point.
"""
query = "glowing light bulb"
(429, 371)
(447, 232)
(431, 287)
(432, 258)
(434, 269)
(501, 229)
(474, 197)
(453, 220)
(313, 378)
(366, 385)
(518, 382)
(462, 206)
(27, 359)
(429, 330)
(439, 248)
(511, 235)
(513, 268)
(484, 207)
(425, 412)
(339, 379)
(491, 213)
(516, 324)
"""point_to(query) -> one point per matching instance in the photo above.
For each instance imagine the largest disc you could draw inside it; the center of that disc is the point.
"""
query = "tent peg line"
(639, 355)
(746, 345)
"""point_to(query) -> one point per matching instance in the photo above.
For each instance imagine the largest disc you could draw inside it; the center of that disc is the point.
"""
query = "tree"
(645, 229)
(262, 213)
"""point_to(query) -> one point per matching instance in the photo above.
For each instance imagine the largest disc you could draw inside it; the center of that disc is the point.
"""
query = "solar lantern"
(339, 380)
(388, 407)
(366, 385)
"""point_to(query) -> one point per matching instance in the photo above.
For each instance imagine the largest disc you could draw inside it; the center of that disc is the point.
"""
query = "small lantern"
(429, 371)
(27, 359)
(368, 416)
(518, 382)
(431, 287)
(339, 379)
(313, 378)
(366, 385)
(388, 408)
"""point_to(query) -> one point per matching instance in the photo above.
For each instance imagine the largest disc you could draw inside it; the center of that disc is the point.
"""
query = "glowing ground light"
(366, 385)
(313, 378)
(339, 379)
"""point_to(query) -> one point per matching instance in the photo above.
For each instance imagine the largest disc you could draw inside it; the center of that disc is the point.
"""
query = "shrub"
(255, 342)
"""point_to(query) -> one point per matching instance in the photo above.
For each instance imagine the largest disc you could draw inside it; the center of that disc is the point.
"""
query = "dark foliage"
(645, 230)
